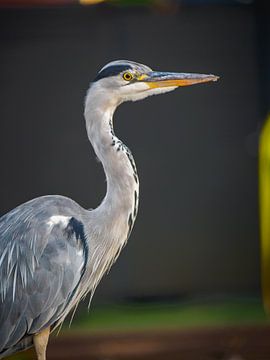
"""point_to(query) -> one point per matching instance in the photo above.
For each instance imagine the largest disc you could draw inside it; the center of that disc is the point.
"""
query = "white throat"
(116, 158)
(114, 218)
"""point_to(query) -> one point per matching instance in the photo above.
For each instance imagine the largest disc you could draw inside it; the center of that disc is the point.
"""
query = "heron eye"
(127, 76)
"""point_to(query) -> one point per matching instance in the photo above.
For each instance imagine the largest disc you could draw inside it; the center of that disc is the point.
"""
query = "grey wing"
(42, 259)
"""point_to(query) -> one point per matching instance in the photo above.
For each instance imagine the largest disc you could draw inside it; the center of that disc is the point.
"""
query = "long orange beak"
(156, 79)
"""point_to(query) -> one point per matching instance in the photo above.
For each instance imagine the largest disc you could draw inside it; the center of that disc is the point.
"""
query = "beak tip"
(215, 78)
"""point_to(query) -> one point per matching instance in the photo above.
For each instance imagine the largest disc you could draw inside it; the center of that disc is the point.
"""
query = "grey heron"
(53, 252)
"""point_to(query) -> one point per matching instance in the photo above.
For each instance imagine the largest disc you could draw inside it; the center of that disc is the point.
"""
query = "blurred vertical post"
(263, 47)
(264, 192)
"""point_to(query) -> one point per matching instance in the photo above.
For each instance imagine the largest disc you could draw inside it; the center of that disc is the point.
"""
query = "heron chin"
(53, 252)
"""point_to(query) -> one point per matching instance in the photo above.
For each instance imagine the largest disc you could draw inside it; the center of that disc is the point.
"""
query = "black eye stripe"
(111, 71)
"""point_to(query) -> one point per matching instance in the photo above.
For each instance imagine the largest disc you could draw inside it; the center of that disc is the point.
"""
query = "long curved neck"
(118, 210)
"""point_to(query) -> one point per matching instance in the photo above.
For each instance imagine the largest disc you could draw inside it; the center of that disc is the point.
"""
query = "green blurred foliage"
(169, 316)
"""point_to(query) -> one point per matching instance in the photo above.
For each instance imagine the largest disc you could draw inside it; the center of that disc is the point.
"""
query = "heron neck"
(119, 207)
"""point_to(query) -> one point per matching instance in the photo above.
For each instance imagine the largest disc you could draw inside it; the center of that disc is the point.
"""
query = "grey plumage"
(52, 251)
(41, 266)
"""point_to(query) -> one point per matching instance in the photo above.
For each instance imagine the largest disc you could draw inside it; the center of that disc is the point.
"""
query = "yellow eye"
(127, 76)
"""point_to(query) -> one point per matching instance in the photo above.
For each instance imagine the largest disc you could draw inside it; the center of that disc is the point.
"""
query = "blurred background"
(194, 255)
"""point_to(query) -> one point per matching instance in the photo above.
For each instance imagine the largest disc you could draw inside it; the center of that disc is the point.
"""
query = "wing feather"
(41, 264)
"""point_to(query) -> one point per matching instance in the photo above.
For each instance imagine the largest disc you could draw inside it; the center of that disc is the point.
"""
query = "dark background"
(196, 148)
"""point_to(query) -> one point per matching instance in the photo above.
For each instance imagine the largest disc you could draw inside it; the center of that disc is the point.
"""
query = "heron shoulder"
(43, 255)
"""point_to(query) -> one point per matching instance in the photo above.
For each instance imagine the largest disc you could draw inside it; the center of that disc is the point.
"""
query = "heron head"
(127, 80)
